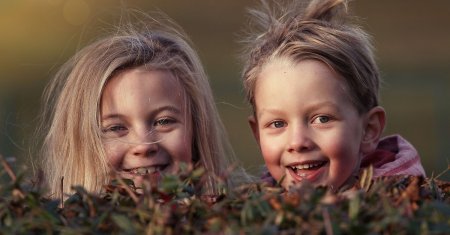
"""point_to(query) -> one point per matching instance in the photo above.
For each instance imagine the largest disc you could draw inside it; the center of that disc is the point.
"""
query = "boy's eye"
(278, 124)
(321, 119)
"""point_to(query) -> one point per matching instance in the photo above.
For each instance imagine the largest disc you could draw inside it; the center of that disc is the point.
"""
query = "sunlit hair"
(72, 146)
(319, 30)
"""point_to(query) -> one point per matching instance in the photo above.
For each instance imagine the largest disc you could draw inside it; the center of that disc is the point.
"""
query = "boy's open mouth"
(141, 171)
(308, 170)
(308, 166)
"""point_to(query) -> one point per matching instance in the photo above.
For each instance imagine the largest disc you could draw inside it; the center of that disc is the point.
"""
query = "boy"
(313, 84)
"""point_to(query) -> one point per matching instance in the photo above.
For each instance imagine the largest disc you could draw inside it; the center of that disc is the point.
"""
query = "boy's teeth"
(306, 166)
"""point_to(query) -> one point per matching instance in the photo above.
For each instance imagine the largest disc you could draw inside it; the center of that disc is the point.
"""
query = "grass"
(390, 205)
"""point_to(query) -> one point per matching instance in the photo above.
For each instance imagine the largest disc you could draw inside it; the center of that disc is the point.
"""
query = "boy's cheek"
(272, 158)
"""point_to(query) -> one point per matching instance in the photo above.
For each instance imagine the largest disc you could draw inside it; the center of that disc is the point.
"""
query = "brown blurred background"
(412, 40)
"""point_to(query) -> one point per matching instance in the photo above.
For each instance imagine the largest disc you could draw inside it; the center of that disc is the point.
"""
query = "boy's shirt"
(394, 156)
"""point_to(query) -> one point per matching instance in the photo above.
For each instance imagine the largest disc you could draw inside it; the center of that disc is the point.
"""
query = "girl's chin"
(139, 180)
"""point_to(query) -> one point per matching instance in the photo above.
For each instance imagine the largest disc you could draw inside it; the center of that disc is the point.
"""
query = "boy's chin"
(322, 181)
(315, 178)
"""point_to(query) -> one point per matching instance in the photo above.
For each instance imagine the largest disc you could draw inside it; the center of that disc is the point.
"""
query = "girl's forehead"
(171, 80)
(143, 84)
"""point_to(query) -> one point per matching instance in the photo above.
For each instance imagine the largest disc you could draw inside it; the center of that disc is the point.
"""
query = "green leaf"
(124, 223)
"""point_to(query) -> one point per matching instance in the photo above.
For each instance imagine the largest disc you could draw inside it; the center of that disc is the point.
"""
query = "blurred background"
(412, 39)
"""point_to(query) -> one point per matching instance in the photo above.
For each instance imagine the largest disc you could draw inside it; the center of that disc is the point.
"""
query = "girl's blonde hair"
(318, 30)
(72, 145)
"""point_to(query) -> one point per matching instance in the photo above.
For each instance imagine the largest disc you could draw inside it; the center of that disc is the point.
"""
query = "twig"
(129, 191)
(442, 173)
(327, 222)
(7, 168)
(62, 192)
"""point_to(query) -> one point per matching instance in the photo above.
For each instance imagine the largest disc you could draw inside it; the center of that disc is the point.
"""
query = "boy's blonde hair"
(321, 31)
(72, 146)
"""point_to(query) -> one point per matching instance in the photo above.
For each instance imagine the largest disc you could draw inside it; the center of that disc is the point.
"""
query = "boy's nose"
(300, 141)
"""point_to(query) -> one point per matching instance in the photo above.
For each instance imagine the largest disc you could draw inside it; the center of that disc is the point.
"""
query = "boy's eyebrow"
(268, 110)
(310, 108)
(155, 111)
(319, 105)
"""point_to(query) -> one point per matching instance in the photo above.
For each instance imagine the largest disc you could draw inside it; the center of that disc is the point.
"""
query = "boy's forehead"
(286, 79)
(287, 64)
(279, 62)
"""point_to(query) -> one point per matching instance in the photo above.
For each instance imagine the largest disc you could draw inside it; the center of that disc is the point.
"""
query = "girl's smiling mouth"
(309, 170)
(141, 171)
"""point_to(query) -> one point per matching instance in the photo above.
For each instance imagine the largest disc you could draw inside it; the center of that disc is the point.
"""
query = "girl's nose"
(144, 144)
(145, 149)
(300, 140)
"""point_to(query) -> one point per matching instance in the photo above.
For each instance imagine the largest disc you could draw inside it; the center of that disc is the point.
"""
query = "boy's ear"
(254, 125)
(373, 128)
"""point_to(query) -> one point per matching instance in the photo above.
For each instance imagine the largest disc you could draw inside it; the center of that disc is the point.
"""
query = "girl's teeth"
(144, 170)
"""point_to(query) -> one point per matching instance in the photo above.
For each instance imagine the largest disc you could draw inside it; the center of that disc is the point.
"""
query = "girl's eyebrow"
(112, 116)
(169, 108)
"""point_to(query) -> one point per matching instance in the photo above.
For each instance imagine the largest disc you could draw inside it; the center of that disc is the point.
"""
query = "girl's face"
(305, 124)
(146, 128)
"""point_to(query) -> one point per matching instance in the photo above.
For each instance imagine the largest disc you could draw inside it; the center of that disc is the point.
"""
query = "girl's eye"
(321, 119)
(163, 122)
(114, 131)
(116, 128)
(278, 124)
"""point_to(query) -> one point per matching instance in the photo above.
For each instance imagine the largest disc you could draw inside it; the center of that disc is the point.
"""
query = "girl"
(137, 104)
(312, 81)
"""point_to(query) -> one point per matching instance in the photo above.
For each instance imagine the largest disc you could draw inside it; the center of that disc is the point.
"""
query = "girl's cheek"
(112, 151)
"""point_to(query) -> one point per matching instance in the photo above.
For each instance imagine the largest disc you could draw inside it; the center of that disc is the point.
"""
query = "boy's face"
(146, 130)
(305, 123)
